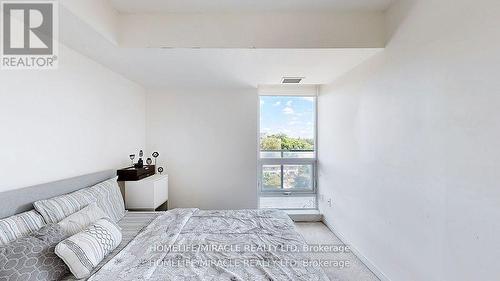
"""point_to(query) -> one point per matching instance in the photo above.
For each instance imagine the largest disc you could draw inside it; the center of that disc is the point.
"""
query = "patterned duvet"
(190, 244)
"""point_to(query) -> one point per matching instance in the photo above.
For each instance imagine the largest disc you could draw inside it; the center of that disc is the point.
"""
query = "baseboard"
(356, 252)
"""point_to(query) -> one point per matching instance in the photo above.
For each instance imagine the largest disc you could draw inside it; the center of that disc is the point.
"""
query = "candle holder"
(155, 155)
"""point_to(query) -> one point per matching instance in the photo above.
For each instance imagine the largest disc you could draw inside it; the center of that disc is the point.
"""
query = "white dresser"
(146, 194)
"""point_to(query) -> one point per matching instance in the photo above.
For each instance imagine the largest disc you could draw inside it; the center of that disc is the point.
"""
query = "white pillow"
(82, 219)
(83, 251)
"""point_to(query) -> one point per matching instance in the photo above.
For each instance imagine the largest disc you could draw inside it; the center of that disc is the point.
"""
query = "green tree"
(271, 143)
(272, 180)
(284, 142)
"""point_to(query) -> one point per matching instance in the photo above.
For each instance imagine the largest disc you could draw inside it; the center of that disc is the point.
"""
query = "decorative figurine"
(149, 161)
(155, 155)
(140, 163)
(160, 170)
(132, 156)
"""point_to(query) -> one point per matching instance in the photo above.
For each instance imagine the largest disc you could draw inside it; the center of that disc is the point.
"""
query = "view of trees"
(302, 178)
(287, 144)
(284, 142)
(272, 178)
(294, 176)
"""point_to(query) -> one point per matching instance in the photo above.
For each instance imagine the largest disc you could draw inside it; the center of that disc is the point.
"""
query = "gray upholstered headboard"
(19, 200)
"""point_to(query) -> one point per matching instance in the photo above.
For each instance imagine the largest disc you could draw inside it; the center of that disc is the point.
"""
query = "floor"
(318, 233)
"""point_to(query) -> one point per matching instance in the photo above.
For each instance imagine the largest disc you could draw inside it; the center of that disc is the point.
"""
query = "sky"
(293, 116)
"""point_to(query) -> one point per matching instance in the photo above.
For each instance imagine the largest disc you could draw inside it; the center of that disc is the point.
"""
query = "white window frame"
(291, 91)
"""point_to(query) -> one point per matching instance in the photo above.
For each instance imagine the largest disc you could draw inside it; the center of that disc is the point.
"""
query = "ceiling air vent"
(291, 80)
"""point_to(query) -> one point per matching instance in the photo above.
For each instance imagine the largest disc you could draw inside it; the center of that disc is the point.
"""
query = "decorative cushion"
(106, 194)
(57, 208)
(109, 198)
(32, 257)
(19, 225)
(82, 219)
(83, 251)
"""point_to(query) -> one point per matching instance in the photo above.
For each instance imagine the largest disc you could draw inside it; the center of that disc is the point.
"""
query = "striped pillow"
(57, 208)
(19, 225)
(83, 251)
(109, 198)
(106, 194)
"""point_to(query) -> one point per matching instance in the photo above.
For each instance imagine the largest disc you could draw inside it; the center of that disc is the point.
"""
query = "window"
(287, 152)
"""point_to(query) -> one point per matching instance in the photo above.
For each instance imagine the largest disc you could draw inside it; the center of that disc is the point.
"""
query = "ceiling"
(159, 68)
(242, 6)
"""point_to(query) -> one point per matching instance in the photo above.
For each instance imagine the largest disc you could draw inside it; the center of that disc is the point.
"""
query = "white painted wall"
(207, 138)
(408, 145)
(78, 119)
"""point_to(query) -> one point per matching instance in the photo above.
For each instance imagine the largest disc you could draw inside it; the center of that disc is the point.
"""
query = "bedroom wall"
(408, 145)
(207, 138)
(78, 119)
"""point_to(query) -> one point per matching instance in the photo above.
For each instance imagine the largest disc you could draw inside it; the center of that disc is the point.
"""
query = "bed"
(190, 244)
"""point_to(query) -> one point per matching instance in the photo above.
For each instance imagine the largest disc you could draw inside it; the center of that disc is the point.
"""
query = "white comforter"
(189, 244)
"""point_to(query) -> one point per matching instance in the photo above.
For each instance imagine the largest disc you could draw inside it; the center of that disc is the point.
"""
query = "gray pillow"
(32, 257)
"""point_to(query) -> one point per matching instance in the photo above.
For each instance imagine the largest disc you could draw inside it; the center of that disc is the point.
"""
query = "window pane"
(287, 123)
(298, 177)
(287, 152)
(271, 177)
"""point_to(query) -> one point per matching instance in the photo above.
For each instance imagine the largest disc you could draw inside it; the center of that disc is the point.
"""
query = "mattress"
(131, 225)
(236, 245)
